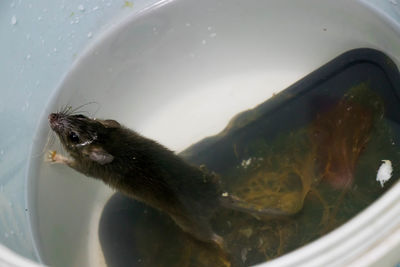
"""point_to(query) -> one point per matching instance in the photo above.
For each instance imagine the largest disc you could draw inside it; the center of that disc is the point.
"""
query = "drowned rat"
(146, 171)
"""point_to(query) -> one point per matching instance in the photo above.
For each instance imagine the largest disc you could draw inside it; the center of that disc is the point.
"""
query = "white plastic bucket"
(155, 59)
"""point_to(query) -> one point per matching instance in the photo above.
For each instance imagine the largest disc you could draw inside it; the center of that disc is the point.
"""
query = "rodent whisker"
(51, 138)
(78, 109)
(80, 112)
(65, 110)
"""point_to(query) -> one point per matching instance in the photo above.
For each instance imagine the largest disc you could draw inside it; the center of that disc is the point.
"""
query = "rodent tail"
(235, 203)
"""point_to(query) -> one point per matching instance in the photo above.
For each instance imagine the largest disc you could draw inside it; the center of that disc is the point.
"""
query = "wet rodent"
(146, 171)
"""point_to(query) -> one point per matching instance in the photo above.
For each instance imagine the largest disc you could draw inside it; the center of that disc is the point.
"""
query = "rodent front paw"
(51, 156)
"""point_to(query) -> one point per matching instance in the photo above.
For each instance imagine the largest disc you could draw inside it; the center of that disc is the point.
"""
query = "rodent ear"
(100, 156)
(110, 123)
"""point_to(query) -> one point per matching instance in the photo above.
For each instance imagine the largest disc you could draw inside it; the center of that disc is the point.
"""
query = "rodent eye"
(73, 137)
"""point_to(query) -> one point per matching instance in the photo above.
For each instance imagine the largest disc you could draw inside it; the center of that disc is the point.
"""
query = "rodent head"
(81, 136)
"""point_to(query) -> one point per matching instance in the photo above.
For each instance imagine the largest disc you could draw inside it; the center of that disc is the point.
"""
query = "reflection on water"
(133, 234)
(321, 170)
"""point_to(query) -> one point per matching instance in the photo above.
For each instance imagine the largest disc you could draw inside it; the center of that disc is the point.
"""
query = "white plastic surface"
(155, 64)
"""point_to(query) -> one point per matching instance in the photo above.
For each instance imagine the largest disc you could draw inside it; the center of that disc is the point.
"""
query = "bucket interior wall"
(177, 55)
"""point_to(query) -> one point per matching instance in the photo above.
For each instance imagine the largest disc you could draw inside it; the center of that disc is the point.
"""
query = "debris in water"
(384, 172)
(243, 254)
(128, 4)
(246, 163)
(246, 232)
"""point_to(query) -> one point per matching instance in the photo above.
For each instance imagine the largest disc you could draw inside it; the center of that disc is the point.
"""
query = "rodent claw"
(51, 156)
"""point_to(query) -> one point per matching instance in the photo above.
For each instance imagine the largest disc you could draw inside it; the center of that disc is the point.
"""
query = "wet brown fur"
(142, 169)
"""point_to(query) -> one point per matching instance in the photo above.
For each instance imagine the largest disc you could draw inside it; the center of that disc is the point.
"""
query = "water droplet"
(394, 2)
(13, 20)
(55, 49)
(209, 28)
(212, 35)
(204, 42)
(39, 18)
(81, 8)
(28, 56)
(28, 36)
(90, 35)
(188, 24)
(95, 8)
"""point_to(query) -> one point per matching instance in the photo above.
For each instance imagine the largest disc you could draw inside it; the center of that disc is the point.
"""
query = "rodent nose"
(53, 117)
